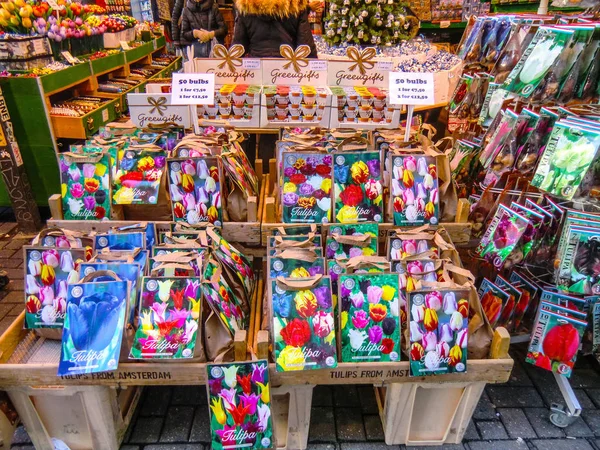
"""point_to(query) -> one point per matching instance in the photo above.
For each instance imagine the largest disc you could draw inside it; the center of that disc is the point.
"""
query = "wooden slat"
(262, 344)
(500, 344)
(55, 204)
(240, 344)
(462, 210)
(11, 338)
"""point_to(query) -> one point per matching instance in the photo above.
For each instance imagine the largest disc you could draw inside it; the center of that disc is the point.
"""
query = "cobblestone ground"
(511, 416)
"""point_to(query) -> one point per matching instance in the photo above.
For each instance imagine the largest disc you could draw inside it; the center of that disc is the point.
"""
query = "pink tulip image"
(462, 338)
(357, 299)
(374, 294)
(422, 166)
(429, 341)
(433, 300)
(442, 349)
(409, 247)
(410, 163)
(415, 332)
(408, 196)
(360, 319)
(446, 334)
(417, 312)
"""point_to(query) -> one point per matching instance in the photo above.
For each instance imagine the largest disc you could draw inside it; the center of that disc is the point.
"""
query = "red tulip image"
(492, 306)
(561, 343)
(388, 346)
(352, 195)
(296, 333)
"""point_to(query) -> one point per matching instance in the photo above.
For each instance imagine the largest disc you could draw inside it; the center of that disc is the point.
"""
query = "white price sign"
(193, 89)
(317, 65)
(250, 64)
(408, 88)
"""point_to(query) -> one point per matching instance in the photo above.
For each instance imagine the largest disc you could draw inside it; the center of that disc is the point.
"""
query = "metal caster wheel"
(559, 417)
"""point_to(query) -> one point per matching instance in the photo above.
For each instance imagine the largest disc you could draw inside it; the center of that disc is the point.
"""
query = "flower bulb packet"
(400, 248)
(531, 237)
(515, 297)
(303, 325)
(493, 300)
(439, 331)
(528, 296)
(414, 197)
(280, 243)
(306, 191)
(566, 159)
(349, 240)
(93, 328)
(567, 301)
(138, 176)
(85, 186)
(413, 270)
(541, 54)
(193, 257)
(48, 272)
(369, 315)
(119, 241)
(239, 398)
(492, 104)
(563, 310)
(555, 342)
(358, 187)
(502, 236)
(195, 190)
(295, 264)
(140, 258)
(497, 137)
(578, 270)
(169, 312)
(463, 159)
(573, 219)
(149, 229)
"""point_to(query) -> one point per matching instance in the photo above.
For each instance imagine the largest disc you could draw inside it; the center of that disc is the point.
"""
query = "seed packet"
(348, 241)
(295, 264)
(504, 232)
(414, 194)
(85, 186)
(439, 321)
(493, 300)
(555, 342)
(119, 241)
(93, 328)
(48, 272)
(195, 189)
(306, 193)
(303, 325)
(239, 397)
(514, 299)
(138, 176)
(370, 328)
(528, 296)
(168, 313)
(566, 159)
(358, 189)
(541, 54)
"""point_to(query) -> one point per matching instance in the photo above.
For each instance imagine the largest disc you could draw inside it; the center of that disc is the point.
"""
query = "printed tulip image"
(195, 190)
(295, 268)
(345, 250)
(370, 324)
(303, 325)
(307, 183)
(48, 273)
(240, 405)
(555, 341)
(168, 318)
(85, 187)
(93, 327)
(120, 241)
(414, 198)
(357, 187)
(493, 300)
(138, 176)
(438, 332)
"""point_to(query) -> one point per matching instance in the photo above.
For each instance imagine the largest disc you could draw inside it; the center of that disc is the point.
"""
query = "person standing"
(201, 22)
(263, 26)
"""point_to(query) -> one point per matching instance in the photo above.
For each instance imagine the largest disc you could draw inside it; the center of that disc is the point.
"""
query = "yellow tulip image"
(264, 392)
(217, 409)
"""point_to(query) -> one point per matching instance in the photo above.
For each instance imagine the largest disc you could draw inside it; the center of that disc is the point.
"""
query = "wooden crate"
(459, 232)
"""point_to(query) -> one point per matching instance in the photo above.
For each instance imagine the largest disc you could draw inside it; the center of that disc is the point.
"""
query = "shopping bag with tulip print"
(119, 241)
(239, 399)
(358, 189)
(369, 315)
(306, 193)
(168, 318)
(195, 189)
(295, 264)
(138, 176)
(48, 272)
(85, 186)
(439, 331)
(350, 240)
(303, 324)
(93, 328)
(414, 191)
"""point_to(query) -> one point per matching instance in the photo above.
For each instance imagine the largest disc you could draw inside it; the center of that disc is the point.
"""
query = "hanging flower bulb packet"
(48, 273)
(528, 298)
(414, 198)
(578, 271)
(239, 399)
(94, 324)
(85, 186)
(493, 300)
(304, 336)
(369, 317)
(139, 174)
(195, 190)
(439, 331)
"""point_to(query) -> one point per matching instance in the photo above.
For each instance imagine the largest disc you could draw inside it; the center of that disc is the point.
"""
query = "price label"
(55, 6)
(105, 115)
(445, 24)
(193, 89)
(125, 46)
(317, 65)
(70, 58)
(407, 88)
(250, 63)
(384, 65)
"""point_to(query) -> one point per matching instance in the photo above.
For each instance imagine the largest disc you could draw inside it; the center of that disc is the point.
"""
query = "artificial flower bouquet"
(239, 398)
(304, 336)
(439, 331)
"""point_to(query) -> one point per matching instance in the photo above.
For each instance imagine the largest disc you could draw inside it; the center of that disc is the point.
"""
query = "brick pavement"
(512, 416)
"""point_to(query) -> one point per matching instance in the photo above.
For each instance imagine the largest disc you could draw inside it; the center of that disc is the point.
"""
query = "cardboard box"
(156, 108)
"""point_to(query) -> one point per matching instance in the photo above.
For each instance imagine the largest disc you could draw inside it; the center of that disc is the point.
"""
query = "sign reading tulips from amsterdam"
(240, 405)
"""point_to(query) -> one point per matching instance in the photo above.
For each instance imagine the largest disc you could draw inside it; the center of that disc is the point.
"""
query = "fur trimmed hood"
(274, 8)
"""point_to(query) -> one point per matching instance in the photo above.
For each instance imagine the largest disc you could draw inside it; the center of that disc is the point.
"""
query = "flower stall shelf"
(24, 52)
(295, 90)
(359, 87)
(237, 88)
